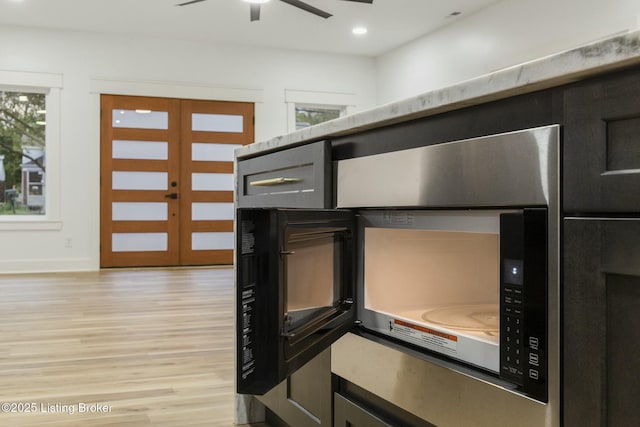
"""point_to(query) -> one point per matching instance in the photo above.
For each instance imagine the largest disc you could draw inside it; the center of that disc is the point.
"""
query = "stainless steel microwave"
(449, 249)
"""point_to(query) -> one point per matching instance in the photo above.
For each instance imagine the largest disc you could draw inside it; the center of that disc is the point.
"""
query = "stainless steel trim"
(510, 169)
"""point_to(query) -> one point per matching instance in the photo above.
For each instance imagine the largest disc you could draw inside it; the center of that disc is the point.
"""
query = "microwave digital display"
(512, 271)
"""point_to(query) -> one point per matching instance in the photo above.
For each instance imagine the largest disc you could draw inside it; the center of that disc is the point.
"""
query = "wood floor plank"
(154, 345)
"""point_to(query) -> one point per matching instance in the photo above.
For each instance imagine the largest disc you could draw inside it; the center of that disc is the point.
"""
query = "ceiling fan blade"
(189, 2)
(361, 1)
(307, 7)
(255, 12)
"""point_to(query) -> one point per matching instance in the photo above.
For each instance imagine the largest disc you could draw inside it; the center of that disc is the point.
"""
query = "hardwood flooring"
(149, 347)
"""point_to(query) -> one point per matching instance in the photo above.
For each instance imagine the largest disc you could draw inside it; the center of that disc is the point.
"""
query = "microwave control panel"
(523, 301)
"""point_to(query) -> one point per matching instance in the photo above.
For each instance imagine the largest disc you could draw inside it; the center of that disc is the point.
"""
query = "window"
(310, 115)
(30, 150)
(22, 153)
(308, 108)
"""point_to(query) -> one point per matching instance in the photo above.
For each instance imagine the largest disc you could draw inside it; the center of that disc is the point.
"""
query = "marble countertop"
(554, 70)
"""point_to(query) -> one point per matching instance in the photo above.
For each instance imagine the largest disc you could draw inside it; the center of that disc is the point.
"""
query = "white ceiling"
(391, 23)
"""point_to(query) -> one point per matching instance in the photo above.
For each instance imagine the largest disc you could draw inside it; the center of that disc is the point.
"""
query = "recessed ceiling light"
(359, 31)
(256, 1)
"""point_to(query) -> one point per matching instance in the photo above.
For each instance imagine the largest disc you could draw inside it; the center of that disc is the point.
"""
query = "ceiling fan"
(255, 7)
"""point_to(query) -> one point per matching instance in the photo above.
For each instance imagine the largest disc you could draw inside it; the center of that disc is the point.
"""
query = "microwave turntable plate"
(466, 317)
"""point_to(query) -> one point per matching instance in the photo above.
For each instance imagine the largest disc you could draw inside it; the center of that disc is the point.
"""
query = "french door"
(167, 179)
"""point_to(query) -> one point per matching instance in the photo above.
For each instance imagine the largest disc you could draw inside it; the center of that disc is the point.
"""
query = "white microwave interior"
(443, 280)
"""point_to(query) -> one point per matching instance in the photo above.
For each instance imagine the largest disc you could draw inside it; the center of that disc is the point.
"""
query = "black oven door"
(295, 287)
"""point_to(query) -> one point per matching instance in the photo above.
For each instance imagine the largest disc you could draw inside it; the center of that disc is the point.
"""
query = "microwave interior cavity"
(458, 283)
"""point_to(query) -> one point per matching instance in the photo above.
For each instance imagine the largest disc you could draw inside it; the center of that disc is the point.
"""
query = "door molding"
(206, 92)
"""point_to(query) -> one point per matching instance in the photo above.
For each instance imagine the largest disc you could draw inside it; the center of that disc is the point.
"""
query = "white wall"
(508, 33)
(90, 63)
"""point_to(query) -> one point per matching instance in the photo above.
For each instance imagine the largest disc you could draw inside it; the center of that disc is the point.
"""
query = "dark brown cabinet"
(601, 262)
(602, 144)
(601, 334)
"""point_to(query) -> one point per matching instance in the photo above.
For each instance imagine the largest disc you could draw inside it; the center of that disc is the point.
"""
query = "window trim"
(51, 85)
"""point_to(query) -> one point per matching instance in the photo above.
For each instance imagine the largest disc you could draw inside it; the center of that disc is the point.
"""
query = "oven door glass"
(313, 262)
(317, 283)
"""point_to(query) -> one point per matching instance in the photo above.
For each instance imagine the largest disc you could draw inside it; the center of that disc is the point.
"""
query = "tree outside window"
(309, 116)
(22, 153)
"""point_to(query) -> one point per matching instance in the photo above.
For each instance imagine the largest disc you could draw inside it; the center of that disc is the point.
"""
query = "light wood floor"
(156, 346)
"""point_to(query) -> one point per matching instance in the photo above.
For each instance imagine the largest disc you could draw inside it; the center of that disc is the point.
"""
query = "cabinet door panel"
(601, 322)
(303, 399)
(601, 145)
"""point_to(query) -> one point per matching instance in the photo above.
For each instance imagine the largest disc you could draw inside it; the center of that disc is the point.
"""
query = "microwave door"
(303, 288)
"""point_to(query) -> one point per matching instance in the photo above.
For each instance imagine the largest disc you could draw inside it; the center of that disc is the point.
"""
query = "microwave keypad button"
(508, 299)
(534, 343)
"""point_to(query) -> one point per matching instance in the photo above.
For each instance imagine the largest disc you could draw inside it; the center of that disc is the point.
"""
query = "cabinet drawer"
(294, 178)
(350, 414)
(601, 145)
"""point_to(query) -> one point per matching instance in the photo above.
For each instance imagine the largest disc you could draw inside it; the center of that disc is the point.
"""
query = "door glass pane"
(216, 123)
(212, 182)
(211, 211)
(139, 180)
(139, 242)
(144, 150)
(213, 152)
(140, 119)
(121, 211)
(310, 271)
(211, 241)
